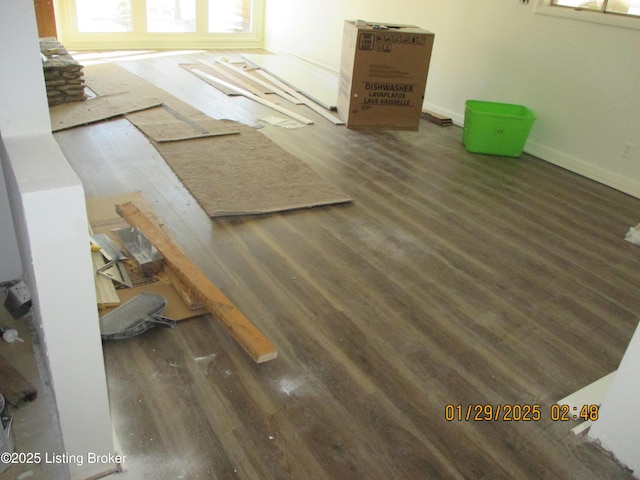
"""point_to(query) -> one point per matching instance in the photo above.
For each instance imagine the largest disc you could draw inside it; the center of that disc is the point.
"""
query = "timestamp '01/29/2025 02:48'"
(517, 412)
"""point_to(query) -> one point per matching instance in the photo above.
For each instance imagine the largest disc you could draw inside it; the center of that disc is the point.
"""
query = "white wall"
(10, 264)
(47, 205)
(619, 411)
(580, 78)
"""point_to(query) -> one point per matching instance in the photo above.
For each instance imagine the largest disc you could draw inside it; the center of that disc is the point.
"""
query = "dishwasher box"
(383, 75)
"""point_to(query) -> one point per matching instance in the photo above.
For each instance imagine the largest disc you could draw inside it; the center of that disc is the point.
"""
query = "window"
(164, 16)
(113, 16)
(619, 13)
(89, 24)
(230, 16)
(620, 7)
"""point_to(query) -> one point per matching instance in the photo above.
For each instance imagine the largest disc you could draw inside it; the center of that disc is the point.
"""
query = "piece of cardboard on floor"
(70, 115)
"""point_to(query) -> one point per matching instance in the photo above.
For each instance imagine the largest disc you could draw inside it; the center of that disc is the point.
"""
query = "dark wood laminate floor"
(453, 278)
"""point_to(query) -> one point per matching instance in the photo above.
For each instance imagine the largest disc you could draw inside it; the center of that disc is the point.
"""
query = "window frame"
(72, 39)
(544, 7)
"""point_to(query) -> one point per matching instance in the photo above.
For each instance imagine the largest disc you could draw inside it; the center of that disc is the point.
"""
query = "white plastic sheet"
(633, 235)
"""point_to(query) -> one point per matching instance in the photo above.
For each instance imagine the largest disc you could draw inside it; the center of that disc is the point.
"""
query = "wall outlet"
(627, 150)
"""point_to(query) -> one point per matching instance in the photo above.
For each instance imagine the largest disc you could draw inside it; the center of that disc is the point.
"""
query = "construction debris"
(18, 299)
(239, 327)
(142, 312)
(141, 249)
(253, 97)
(436, 118)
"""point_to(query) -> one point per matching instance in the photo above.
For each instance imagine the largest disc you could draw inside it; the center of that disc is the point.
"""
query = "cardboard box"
(383, 75)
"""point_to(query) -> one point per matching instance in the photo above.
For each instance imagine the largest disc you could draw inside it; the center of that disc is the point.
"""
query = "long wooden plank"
(311, 81)
(188, 297)
(271, 87)
(302, 99)
(253, 97)
(239, 326)
(235, 79)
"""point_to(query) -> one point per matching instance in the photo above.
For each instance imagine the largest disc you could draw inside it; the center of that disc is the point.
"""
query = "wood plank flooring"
(453, 278)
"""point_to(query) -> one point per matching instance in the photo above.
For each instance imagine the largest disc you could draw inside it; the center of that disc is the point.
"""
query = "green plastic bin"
(496, 128)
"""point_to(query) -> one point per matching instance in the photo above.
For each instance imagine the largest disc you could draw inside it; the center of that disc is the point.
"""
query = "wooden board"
(105, 290)
(188, 296)
(317, 84)
(210, 71)
(45, 18)
(241, 329)
(302, 99)
(268, 87)
(238, 80)
(253, 97)
(436, 118)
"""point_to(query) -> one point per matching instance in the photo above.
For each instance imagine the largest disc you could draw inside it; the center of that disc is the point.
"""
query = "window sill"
(544, 7)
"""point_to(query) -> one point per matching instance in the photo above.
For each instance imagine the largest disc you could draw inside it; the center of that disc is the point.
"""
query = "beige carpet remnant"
(247, 174)
(163, 124)
(237, 171)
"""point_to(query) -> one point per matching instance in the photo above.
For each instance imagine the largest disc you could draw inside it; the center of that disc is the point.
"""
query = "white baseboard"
(607, 177)
(592, 394)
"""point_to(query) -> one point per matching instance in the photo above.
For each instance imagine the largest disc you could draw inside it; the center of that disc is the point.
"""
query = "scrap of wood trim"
(302, 99)
(235, 79)
(106, 294)
(259, 348)
(305, 77)
(271, 87)
(253, 97)
(189, 67)
(436, 118)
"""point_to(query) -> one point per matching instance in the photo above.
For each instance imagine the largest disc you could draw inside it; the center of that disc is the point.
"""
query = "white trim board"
(253, 97)
(618, 427)
(592, 394)
(311, 81)
(606, 177)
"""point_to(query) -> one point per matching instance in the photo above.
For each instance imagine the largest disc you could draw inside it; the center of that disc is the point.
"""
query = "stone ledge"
(63, 76)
